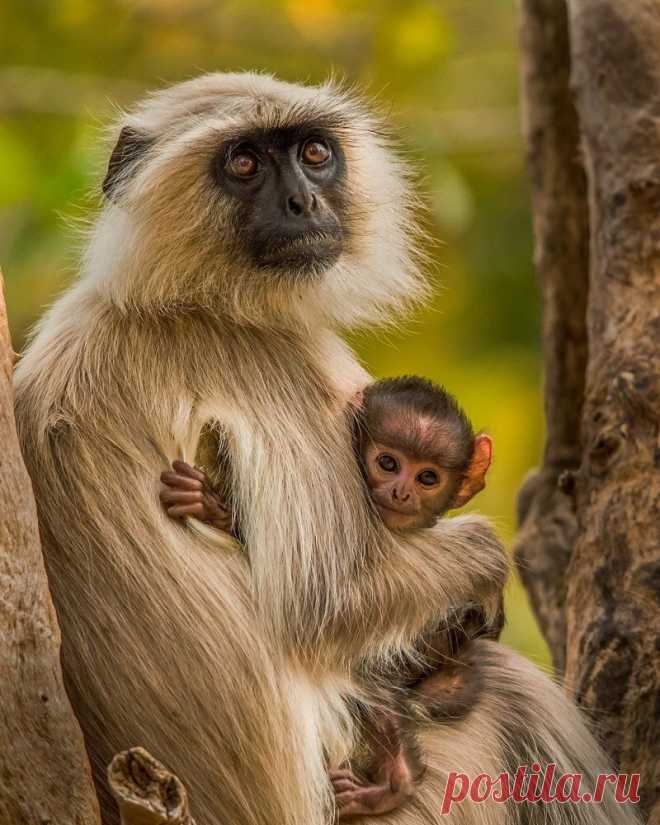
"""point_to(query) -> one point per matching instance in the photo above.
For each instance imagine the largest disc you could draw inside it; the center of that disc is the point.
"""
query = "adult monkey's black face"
(288, 186)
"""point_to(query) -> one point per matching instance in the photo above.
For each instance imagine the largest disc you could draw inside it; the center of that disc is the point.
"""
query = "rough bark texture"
(559, 192)
(44, 773)
(146, 792)
(593, 569)
(613, 600)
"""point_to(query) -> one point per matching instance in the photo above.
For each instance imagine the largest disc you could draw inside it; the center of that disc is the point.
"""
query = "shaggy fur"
(235, 674)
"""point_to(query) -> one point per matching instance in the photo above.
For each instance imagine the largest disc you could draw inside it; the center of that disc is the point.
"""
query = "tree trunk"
(561, 226)
(44, 773)
(597, 595)
(613, 605)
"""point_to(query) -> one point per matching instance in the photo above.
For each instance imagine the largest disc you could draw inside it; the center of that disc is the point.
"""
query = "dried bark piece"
(146, 792)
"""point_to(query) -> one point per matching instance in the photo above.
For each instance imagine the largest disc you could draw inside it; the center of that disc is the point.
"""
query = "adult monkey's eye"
(315, 152)
(388, 463)
(427, 478)
(242, 164)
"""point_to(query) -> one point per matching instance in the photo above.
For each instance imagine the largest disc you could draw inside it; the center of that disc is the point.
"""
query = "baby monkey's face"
(408, 492)
(418, 451)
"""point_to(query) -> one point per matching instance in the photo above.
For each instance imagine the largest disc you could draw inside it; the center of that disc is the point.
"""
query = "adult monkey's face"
(264, 201)
(287, 187)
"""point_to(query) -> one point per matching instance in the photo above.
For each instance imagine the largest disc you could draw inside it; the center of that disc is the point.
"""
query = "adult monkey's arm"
(345, 585)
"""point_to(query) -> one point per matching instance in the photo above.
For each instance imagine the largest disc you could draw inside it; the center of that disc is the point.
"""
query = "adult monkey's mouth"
(314, 250)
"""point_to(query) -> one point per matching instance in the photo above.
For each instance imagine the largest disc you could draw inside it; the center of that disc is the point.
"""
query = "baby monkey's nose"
(400, 495)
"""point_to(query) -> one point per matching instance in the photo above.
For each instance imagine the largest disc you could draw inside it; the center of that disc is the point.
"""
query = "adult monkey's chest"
(282, 443)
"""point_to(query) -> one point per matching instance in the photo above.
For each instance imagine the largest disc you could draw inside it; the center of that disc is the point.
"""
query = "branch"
(559, 195)
(146, 792)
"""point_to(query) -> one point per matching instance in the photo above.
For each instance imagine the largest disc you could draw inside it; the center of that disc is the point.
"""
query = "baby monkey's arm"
(188, 492)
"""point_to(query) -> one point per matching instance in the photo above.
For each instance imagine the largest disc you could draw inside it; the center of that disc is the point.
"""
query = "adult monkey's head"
(257, 198)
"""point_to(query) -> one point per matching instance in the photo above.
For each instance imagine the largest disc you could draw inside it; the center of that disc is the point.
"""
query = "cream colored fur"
(235, 673)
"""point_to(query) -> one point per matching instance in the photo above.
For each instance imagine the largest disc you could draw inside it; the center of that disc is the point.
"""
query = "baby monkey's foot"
(354, 797)
(188, 492)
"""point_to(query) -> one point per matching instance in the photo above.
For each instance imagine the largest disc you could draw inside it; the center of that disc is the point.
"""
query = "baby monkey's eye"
(427, 478)
(315, 152)
(242, 163)
(388, 463)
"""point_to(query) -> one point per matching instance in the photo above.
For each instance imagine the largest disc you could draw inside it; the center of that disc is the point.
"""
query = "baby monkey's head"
(419, 453)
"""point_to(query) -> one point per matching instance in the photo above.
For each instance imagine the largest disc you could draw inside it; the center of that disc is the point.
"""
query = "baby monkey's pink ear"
(475, 478)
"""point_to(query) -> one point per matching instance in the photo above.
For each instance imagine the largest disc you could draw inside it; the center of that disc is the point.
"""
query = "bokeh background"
(446, 70)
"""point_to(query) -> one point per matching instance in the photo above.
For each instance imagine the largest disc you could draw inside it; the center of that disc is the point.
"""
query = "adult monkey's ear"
(131, 145)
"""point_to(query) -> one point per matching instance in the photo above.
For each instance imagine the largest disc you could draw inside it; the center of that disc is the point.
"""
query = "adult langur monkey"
(246, 220)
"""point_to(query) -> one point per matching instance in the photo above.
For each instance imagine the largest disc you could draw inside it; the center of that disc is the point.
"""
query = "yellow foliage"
(316, 19)
(419, 35)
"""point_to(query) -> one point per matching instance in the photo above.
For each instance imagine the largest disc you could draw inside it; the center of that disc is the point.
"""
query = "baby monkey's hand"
(188, 492)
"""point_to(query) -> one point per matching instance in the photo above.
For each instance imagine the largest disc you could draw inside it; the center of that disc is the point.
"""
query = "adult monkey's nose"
(301, 204)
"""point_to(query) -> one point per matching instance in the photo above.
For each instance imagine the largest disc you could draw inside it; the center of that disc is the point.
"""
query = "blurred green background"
(448, 73)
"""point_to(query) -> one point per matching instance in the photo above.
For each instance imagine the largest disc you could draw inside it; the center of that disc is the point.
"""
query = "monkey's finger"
(342, 773)
(344, 779)
(188, 470)
(344, 785)
(349, 806)
(182, 510)
(183, 482)
(181, 497)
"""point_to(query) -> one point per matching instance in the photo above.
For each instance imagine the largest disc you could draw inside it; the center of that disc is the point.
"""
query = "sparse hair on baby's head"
(421, 417)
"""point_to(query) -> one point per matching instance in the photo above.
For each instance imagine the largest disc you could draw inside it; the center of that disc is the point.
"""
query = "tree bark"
(546, 513)
(591, 559)
(44, 773)
(613, 604)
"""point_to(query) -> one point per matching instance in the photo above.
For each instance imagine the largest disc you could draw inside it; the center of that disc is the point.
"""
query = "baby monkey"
(420, 458)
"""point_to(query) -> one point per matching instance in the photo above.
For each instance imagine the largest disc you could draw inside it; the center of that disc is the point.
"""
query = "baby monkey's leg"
(445, 690)
(394, 770)
(188, 492)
